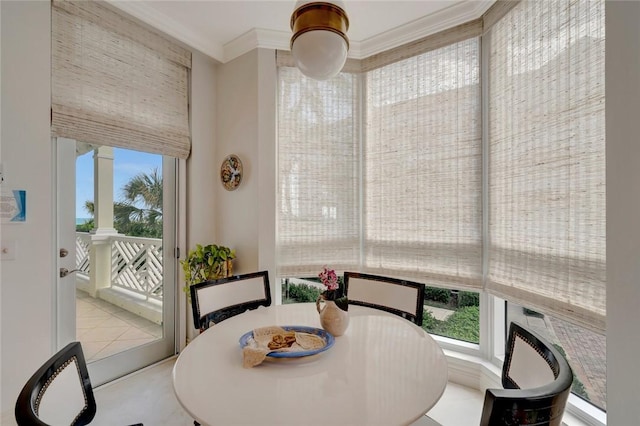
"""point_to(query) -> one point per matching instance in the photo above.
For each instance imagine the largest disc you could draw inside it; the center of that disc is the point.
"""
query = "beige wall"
(201, 174)
(623, 211)
(237, 133)
(201, 168)
(246, 106)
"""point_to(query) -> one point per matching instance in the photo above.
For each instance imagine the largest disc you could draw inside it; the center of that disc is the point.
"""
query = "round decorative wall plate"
(231, 172)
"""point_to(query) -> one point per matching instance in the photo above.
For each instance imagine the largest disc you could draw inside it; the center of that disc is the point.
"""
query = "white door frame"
(107, 369)
(65, 171)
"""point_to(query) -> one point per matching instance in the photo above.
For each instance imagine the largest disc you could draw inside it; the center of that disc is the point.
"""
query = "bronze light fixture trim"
(319, 43)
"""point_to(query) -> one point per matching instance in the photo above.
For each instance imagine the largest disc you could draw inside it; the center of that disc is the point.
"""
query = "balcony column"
(100, 276)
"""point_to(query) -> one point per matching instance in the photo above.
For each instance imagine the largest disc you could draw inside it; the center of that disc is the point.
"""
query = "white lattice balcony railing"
(136, 263)
(83, 250)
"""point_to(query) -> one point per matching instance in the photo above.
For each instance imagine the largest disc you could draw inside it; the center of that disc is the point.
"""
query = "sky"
(126, 164)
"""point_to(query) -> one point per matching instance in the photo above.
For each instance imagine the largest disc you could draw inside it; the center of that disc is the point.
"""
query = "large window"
(546, 159)
(318, 166)
(515, 209)
(423, 168)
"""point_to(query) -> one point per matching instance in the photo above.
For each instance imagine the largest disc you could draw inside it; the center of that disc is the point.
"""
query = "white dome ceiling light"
(319, 43)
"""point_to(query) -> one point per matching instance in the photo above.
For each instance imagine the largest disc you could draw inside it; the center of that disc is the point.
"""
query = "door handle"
(64, 252)
(64, 272)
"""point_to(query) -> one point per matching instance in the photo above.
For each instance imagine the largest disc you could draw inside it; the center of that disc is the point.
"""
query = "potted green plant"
(209, 262)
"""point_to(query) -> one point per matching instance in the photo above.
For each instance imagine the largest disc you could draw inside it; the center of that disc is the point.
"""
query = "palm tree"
(140, 212)
(147, 189)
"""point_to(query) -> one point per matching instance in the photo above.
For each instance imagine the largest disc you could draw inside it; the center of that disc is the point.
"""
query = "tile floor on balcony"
(105, 329)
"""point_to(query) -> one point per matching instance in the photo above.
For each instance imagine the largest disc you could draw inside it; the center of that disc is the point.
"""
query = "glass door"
(116, 246)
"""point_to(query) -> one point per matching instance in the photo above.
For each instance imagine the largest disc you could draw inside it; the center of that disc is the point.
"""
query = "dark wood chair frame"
(415, 317)
(543, 405)
(27, 405)
(201, 320)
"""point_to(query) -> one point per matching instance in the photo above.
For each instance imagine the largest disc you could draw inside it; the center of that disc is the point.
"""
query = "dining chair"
(536, 379)
(400, 297)
(214, 301)
(59, 392)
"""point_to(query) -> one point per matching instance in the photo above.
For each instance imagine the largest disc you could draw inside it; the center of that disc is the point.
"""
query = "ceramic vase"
(332, 318)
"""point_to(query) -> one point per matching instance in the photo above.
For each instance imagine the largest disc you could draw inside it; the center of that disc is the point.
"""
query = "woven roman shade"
(423, 168)
(438, 40)
(318, 174)
(546, 159)
(496, 12)
(117, 83)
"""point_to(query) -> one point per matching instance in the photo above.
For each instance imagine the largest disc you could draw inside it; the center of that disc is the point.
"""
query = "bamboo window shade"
(423, 168)
(318, 174)
(116, 82)
(546, 160)
(538, 237)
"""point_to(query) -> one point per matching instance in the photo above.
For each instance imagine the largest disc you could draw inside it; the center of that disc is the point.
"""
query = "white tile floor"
(105, 329)
(147, 397)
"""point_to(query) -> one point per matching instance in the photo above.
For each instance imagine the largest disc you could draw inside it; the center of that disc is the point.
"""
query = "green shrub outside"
(436, 294)
(463, 324)
(300, 293)
(85, 227)
(429, 322)
(468, 298)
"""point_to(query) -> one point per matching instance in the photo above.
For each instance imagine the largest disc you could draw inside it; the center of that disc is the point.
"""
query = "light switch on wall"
(8, 250)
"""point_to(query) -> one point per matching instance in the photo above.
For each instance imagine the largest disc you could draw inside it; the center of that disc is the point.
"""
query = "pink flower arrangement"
(329, 278)
(333, 292)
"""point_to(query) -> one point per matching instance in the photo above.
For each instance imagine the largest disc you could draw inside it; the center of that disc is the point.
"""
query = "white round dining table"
(384, 370)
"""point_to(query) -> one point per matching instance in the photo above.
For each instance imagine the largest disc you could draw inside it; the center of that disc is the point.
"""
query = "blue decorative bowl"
(324, 335)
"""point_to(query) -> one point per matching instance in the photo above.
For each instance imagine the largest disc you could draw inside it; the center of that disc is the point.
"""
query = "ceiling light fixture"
(319, 43)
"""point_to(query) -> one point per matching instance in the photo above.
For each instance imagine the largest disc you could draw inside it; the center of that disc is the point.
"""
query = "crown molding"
(163, 23)
(456, 14)
(256, 38)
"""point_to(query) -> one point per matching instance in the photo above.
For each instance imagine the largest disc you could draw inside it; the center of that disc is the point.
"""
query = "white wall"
(27, 283)
(623, 211)
(246, 127)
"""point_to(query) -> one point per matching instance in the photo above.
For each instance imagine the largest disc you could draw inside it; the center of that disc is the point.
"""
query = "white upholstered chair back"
(217, 300)
(401, 297)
